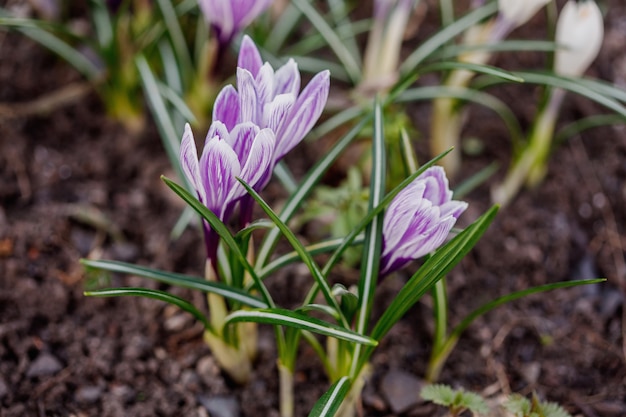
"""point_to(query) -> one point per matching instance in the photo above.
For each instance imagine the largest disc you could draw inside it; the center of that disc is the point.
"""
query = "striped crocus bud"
(418, 219)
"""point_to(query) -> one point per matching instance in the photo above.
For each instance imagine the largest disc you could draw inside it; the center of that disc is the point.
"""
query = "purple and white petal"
(259, 163)
(264, 83)
(277, 112)
(189, 162)
(249, 56)
(219, 167)
(307, 110)
(418, 219)
(241, 139)
(287, 79)
(217, 129)
(226, 107)
(248, 99)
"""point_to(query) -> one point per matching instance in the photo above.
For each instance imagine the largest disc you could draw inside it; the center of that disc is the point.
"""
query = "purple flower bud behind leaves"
(418, 219)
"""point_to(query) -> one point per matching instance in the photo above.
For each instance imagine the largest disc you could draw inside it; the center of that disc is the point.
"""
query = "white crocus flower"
(514, 13)
(579, 32)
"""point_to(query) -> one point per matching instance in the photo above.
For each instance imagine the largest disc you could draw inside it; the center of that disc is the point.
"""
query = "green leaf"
(306, 257)
(224, 233)
(161, 115)
(372, 246)
(453, 51)
(484, 99)
(456, 400)
(329, 403)
(444, 36)
(350, 62)
(38, 32)
(158, 295)
(314, 175)
(315, 249)
(575, 85)
(284, 317)
(178, 280)
(175, 33)
(480, 69)
(583, 124)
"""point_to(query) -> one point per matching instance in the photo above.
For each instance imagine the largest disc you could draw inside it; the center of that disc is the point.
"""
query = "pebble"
(88, 394)
(222, 406)
(401, 390)
(45, 364)
(124, 393)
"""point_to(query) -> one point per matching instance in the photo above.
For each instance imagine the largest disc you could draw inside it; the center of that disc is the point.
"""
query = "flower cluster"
(253, 127)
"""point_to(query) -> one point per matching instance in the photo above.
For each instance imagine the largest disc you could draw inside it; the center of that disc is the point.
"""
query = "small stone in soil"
(401, 390)
(44, 365)
(220, 406)
(88, 394)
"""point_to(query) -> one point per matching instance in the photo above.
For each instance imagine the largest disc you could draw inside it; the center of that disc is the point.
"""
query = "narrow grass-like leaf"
(475, 180)
(177, 37)
(313, 65)
(602, 87)
(283, 317)
(329, 403)
(176, 101)
(445, 35)
(442, 352)
(156, 294)
(453, 51)
(282, 28)
(102, 23)
(581, 125)
(161, 115)
(373, 233)
(342, 117)
(575, 86)
(306, 257)
(480, 69)
(437, 266)
(484, 99)
(320, 308)
(38, 33)
(282, 172)
(350, 62)
(305, 187)
(315, 249)
(221, 229)
(179, 280)
(314, 42)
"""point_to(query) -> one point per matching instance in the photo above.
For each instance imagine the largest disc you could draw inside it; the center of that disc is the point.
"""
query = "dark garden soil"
(74, 184)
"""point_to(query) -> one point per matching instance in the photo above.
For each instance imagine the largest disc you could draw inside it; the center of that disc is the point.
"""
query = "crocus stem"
(440, 298)
(445, 133)
(285, 374)
(530, 166)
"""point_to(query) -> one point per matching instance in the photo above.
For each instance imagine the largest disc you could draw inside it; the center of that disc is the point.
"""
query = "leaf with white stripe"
(283, 317)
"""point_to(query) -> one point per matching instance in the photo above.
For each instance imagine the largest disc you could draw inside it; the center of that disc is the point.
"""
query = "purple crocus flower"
(272, 99)
(243, 152)
(418, 219)
(229, 17)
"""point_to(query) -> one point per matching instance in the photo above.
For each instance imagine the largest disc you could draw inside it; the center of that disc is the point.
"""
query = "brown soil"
(73, 184)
